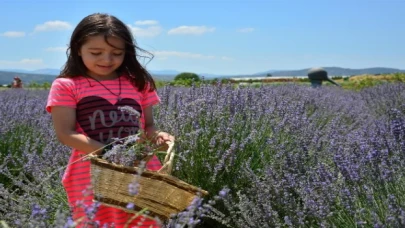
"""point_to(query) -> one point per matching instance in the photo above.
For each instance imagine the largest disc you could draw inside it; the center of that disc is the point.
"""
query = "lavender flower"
(130, 206)
(133, 188)
(130, 110)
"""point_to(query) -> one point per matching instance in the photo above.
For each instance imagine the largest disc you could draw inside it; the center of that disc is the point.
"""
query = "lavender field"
(275, 156)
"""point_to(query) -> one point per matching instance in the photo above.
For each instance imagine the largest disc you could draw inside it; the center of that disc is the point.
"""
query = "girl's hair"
(107, 25)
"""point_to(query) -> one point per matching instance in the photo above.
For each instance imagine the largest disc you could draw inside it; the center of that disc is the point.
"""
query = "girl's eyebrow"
(94, 48)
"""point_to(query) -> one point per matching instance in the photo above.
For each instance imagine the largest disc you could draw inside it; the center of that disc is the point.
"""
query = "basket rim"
(149, 174)
(122, 206)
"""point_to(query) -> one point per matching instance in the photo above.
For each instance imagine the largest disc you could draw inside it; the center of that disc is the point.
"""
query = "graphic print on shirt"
(102, 121)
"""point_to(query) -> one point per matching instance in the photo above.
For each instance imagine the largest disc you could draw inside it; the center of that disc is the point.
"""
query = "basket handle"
(168, 162)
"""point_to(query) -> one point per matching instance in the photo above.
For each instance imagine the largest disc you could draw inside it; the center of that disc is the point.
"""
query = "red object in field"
(17, 83)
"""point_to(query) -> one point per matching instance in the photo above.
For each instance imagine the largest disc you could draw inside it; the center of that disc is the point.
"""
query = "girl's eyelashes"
(99, 53)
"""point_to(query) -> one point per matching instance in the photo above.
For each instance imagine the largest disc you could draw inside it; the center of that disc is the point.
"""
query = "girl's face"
(101, 59)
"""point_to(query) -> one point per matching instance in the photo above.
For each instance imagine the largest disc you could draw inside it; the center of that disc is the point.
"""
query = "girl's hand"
(162, 138)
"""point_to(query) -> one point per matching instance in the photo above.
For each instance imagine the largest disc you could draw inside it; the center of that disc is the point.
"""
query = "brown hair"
(107, 25)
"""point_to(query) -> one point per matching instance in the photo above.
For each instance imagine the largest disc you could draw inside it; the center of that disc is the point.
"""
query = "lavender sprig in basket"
(131, 150)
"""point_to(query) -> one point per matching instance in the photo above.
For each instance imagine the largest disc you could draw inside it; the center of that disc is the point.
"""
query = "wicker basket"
(159, 192)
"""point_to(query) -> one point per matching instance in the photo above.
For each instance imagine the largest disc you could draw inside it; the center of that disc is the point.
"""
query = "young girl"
(101, 74)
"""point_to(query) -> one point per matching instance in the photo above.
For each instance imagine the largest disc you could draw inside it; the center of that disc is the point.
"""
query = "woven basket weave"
(159, 192)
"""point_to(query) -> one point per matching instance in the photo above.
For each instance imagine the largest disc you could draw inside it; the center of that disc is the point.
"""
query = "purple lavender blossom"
(130, 206)
(133, 188)
(130, 110)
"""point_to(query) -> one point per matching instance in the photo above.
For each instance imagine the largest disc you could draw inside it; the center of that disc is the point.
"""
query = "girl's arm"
(64, 120)
(152, 133)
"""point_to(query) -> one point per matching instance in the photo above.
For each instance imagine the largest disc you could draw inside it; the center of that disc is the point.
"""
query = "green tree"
(46, 85)
(187, 76)
(34, 85)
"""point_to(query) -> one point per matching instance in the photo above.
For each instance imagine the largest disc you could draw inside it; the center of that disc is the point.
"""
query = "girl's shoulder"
(68, 83)
(69, 80)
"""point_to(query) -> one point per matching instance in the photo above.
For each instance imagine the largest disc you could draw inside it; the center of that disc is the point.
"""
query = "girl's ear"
(79, 53)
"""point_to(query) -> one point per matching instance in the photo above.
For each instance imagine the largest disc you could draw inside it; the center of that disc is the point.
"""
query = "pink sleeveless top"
(98, 117)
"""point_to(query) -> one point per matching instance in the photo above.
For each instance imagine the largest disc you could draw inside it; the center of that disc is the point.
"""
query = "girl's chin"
(104, 70)
(103, 74)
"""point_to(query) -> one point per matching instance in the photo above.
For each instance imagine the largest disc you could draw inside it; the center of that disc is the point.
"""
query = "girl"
(101, 73)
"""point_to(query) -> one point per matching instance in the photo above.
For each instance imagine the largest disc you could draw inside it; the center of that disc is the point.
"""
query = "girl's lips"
(105, 67)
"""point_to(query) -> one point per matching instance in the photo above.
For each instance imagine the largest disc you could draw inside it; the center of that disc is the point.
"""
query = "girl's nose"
(108, 57)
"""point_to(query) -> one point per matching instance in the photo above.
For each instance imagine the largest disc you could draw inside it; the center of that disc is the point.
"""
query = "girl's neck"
(113, 76)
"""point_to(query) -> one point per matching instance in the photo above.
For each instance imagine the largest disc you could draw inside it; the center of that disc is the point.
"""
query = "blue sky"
(216, 36)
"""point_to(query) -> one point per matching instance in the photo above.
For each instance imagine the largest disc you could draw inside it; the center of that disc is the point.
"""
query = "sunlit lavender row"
(274, 156)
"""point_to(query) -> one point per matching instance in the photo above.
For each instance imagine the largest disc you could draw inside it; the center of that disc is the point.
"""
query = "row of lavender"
(278, 156)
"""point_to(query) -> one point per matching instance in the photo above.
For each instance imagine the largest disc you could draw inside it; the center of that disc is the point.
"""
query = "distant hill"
(46, 71)
(166, 75)
(333, 71)
(48, 75)
(7, 77)
(39, 71)
(163, 77)
(164, 72)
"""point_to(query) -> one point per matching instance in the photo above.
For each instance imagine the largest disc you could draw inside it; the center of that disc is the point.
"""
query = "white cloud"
(146, 22)
(31, 61)
(56, 49)
(27, 64)
(53, 26)
(188, 55)
(163, 55)
(13, 34)
(226, 58)
(150, 31)
(193, 30)
(246, 30)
